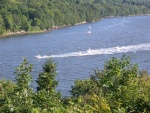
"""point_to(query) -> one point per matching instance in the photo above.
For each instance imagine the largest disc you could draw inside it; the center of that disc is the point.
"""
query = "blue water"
(76, 50)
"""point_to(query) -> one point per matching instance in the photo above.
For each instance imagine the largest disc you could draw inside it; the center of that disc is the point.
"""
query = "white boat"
(90, 27)
(89, 32)
(79, 54)
(38, 56)
(89, 51)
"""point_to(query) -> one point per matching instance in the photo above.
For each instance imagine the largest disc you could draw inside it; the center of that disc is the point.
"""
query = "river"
(79, 49)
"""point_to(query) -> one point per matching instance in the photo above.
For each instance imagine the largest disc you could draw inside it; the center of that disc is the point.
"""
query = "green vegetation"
(37, 15)
(119, 88)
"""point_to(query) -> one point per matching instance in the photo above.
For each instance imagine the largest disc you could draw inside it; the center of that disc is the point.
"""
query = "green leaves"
(119, 88)
(119, 83)
(46, 96)
(33, 15)
(23, 78)
(46, 80)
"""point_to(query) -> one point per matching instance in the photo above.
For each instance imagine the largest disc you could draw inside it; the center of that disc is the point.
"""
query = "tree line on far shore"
(119, 88)
(36, 15)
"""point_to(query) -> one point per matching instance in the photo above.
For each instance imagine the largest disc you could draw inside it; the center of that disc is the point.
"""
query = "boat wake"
(112, 50)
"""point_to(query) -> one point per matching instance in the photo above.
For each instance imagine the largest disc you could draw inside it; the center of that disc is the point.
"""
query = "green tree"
(6, 92)
(46, 96)
(2, 25)
(8, 22)
(120, 83)
(24, 23)
(22, 98)
(17, 97)
(24, 78)
(39, 15)
(46, 80)
(119, 88)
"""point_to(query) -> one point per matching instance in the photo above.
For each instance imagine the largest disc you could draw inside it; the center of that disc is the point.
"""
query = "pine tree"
(46, 80)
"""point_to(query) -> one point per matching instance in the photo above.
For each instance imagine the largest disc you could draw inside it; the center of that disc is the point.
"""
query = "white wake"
(112, 50)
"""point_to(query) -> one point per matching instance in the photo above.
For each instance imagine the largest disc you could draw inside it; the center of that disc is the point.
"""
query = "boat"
(89, 32)
(89, 29)
(79, 54)
(89, 51)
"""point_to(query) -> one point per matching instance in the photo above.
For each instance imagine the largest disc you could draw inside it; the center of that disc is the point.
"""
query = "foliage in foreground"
(119, 88)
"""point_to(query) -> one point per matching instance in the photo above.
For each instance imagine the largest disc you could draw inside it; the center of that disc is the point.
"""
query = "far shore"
(34, 32)
(58, 27)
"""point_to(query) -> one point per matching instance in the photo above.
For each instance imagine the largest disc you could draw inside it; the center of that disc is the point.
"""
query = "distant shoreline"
(34, 32)
(58, 27)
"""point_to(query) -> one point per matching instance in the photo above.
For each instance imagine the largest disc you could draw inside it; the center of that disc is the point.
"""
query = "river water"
(77, 50)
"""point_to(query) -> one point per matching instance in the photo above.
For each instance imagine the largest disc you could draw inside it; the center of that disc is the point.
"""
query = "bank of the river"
(8, 34)
(56, 27)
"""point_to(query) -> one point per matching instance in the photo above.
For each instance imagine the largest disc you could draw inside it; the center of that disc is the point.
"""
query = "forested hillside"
(36, 15)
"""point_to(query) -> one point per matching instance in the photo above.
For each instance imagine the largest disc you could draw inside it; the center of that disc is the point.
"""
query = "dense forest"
(36, 15)
(119, 88)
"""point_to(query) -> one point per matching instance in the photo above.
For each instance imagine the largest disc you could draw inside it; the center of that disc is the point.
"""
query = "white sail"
(90, 27)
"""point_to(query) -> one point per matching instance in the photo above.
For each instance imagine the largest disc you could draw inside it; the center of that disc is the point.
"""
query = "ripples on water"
(76, 51)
